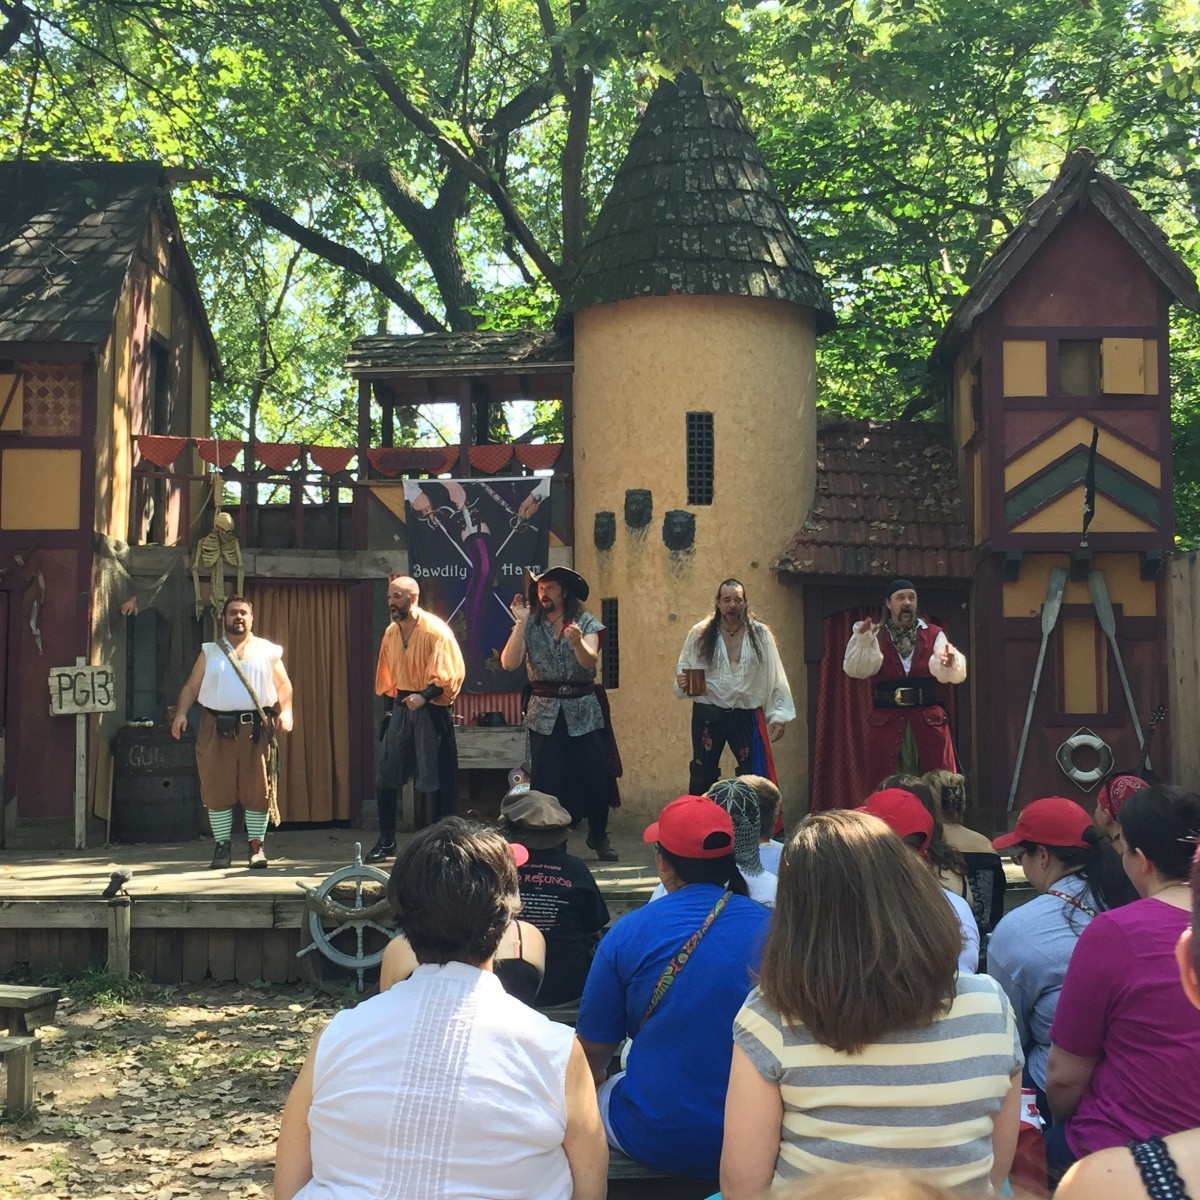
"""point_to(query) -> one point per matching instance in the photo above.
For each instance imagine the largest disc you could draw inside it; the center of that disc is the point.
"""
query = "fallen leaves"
(170, 1099)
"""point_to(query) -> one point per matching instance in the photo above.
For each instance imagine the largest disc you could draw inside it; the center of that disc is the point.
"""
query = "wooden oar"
(1053, 602)
(1108, 622)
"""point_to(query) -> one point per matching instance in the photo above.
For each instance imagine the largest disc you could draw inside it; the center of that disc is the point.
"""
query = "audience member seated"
(1076, 873)
(985, 870)
(1160, 1168)
(1125, 1044)
(558, 892)
(671, 976)
(770, 802)
(445, 1086)
(1110, 799)
(519, 962)
(947, 862)
(862, 1044)
(737, 798)
(913, 824)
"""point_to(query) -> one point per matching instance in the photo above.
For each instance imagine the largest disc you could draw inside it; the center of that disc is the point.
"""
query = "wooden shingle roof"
(68, 233)
(488, 352)
(693, 211)
(1079, 182)
(887, 503)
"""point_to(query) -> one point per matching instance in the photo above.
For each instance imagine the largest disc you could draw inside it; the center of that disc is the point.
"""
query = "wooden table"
(23, 1009)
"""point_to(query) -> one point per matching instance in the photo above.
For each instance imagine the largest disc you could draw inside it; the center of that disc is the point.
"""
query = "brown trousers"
(232, 770)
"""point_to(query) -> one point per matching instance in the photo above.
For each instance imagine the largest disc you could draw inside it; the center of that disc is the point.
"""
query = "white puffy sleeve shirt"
(752, 683)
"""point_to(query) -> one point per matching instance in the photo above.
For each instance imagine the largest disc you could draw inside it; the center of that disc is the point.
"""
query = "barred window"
(610, 663)
(699, 457)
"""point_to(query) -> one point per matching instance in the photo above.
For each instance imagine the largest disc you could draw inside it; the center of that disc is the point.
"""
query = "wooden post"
(80, 774)
(119, 913)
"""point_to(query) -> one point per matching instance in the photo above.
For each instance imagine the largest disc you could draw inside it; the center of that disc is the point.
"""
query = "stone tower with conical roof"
(696, 309)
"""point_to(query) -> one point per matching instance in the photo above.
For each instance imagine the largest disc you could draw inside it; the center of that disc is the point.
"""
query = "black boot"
(384, 848)
(222, 856)
(603, 847)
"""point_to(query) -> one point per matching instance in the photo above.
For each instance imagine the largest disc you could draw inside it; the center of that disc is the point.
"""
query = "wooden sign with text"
(78, 690)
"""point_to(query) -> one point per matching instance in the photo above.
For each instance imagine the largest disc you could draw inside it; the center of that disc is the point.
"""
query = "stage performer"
(746, 700)
(419, 674)
(573, 755)
(907, 658)
(232, 745)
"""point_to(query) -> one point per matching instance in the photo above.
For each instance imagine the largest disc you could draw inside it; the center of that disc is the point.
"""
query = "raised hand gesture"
(868, 625)
(519, 608)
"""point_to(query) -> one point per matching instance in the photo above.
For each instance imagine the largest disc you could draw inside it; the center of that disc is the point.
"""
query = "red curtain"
(839, 778)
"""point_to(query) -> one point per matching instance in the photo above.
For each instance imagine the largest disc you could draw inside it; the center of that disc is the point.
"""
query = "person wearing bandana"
(910, 663)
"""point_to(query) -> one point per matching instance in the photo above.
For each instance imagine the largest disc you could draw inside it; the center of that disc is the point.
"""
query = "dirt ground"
(165, 1093)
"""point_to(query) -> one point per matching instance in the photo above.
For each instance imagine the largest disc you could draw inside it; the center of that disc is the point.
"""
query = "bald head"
(403, 592)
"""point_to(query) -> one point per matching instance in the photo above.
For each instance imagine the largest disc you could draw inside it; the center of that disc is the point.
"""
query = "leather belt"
(561, 690)
(917, 693)
(242, 718)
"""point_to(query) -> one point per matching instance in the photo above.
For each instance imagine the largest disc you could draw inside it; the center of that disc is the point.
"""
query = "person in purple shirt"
(1125, 1043)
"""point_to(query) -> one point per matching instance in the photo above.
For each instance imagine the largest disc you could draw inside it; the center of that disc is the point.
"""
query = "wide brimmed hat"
(693, 827)
(1051, 821)
(535, 819)
(571, 581)
(903, 813)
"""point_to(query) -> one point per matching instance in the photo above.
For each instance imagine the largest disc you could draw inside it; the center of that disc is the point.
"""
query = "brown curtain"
(312, 623)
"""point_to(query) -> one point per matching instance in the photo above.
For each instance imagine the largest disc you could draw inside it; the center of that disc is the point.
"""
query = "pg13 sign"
(76, 690)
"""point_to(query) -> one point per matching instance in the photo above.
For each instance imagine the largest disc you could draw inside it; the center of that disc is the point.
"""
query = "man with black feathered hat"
(572, 752)
(910, 661)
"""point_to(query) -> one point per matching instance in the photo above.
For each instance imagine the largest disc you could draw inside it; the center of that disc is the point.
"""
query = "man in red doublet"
(911, 664)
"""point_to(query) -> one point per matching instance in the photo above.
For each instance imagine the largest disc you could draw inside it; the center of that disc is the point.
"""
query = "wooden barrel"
(156, 791)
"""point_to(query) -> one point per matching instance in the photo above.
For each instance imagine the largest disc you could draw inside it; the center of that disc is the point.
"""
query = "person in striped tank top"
(862, 1045)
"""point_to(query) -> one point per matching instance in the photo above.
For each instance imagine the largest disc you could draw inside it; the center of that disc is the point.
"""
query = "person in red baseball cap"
(674, 973)
(912, 823)
(1076, 873)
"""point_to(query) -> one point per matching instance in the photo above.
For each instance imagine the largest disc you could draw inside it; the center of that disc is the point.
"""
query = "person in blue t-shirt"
(671, 976)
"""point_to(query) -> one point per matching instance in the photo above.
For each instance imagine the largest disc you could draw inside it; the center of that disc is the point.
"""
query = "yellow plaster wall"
(39, 489)
(1079, 433)
(1063, 513)
(113, 517)
(640, 365)
(1024, 597)
(200, 400)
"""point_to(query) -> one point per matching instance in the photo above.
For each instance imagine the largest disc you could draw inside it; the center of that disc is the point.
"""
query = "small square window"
(1079, 368)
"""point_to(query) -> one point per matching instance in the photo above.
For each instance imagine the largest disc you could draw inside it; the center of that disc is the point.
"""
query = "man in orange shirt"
(419, 673)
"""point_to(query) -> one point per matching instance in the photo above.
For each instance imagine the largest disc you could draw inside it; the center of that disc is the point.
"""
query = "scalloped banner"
(331, 459)
(219, 453)
(277, 456)
(538, 456)
(489, 459)
(160, 449)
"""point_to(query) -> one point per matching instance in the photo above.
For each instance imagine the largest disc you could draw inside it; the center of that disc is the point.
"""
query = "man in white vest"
(231, 747)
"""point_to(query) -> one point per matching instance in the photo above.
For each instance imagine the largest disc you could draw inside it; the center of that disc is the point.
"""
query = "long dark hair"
(708, 639)
(1099, 865)
(1164, 824)
(941, 855)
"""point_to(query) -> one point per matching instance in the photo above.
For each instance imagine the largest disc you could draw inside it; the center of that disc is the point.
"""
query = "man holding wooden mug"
(730, 669)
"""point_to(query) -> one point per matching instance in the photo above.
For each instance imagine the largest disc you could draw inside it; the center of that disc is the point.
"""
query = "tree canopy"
(361, 165)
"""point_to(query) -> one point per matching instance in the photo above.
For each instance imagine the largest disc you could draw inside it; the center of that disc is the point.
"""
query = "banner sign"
(470, 542)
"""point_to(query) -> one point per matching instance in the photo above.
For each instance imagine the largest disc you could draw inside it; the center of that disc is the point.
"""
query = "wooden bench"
(629, 1178)
(17, 1055)
(24, 1009)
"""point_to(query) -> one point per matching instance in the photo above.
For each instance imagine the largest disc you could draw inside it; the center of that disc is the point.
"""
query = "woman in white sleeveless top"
(444, 1087)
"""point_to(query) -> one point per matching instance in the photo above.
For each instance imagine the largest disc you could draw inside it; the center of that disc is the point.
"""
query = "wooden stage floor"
(189, 922)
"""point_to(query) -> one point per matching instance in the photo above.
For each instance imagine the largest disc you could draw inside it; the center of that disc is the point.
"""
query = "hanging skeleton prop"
(214, 552)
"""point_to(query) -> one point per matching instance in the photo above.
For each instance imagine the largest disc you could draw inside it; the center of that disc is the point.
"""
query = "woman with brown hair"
(861, 1044)
(946, 861)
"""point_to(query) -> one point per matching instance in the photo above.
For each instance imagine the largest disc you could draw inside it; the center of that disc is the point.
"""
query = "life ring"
(1085, 739)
